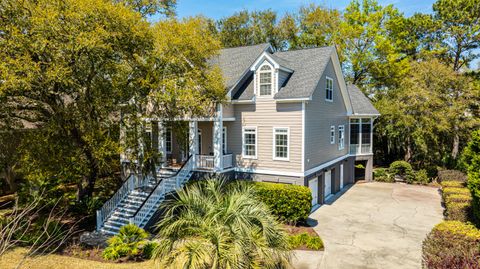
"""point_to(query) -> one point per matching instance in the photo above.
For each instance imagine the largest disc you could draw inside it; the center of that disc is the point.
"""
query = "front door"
(341, 176)
(313, 185)
(328, 183)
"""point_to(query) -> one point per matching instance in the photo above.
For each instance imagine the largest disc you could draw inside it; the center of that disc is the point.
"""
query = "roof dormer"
(266, 75)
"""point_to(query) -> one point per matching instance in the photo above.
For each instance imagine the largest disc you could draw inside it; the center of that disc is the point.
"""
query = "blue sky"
(219, 8)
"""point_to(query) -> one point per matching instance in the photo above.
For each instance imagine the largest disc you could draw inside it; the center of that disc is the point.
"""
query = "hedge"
(452, 183)
(452, 244)
(382, 175)
(402, 169)
(451, 190)
(458, 211)
(290, 203)
(451, 175)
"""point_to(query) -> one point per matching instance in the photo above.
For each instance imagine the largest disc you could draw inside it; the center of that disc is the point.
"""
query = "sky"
(217, 9)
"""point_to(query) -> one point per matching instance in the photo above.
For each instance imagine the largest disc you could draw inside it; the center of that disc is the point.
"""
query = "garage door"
(313, 185)
(341, 176)
(328, 183)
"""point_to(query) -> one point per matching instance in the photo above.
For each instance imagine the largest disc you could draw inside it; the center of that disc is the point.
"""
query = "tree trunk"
(408, 150)
(456, 144)
(89, 179)
(10, 177)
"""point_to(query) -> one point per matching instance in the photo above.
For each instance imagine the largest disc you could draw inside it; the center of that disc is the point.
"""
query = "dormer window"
(266, 80)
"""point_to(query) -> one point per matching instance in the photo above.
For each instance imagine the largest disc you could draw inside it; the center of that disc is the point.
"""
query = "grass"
(12, 258)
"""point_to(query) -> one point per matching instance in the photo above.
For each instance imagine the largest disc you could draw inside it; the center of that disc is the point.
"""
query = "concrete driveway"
(377, 225)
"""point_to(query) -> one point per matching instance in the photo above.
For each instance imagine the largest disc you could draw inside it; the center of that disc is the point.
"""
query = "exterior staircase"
(138, 199)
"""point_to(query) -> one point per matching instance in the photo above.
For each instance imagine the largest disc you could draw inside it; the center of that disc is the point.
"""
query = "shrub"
(127, 243)
(382, 175)
(315, 243)
(421, 177)
(451, 190)
(290, 203)
(470, 160)
(452, 244)
(452, 183)
(451, 175)
(402, 169)
(312, 242)
(458, 211)
(458, 198)
(148, 249)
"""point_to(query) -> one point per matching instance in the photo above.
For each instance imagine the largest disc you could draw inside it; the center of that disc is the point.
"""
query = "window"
(329, 90)
(168, 140)
(250, 142)
(332, 134)
(366, 130)
(224, 140)
(341, 137)
(265, 80)
(199, 134)
(354, 131)
(280, 140)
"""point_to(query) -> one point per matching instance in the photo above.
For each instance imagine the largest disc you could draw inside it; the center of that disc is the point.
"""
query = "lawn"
(12, 258)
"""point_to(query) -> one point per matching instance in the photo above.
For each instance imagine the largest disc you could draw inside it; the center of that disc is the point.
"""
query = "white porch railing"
(207, 162)
(103, 213)
(357, 149)
(227, 161)
(166, 185)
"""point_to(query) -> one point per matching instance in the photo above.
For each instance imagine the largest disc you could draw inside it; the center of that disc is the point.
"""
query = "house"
(290, 118)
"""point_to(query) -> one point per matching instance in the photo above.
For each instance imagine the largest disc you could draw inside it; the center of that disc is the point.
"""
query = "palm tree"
(212, 224)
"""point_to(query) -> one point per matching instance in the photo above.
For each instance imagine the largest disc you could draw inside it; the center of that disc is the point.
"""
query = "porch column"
(162, 145)
(193, 141)
(218, 140)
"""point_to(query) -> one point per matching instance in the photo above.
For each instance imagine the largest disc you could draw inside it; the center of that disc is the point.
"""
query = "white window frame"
(341, 137)
(243, 142)
(332, 134)
(167, 142)
(328, 79)
(274, 144)
(224, 140)
(260, 72)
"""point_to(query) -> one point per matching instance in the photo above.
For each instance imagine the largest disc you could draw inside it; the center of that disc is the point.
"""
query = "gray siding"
(319, 116)
(282, 77)
(265, 115)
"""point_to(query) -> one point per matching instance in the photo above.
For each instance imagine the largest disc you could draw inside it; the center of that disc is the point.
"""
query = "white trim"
(265, 55)
(332, 136)
(224, 140)
(274, 144)
(303, 136)
(327, 79)
(327, 164)
(341, 138)
(300, 99)
(251, 101)
(268, 172)
(229, 119)
(341, 82)
(243, 142)
(364, 115)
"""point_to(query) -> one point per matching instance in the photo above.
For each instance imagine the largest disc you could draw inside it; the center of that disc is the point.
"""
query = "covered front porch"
(203, 140)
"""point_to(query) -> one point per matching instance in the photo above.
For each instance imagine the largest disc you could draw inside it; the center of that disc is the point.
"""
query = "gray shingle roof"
(360, 103)
(235, 62)
(308, 66)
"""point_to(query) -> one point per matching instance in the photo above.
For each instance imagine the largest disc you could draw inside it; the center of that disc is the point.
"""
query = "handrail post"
(99, 220)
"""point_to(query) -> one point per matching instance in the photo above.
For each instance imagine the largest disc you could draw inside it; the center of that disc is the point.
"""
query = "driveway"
(377, 225)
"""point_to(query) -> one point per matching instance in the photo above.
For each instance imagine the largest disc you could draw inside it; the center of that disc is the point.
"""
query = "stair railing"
(107, 209)
(158, 193)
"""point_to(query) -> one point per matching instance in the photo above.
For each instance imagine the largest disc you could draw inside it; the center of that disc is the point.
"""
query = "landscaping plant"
(129, 242)
(403, 170)
(290, 203)
(212, 224)
(452, 244)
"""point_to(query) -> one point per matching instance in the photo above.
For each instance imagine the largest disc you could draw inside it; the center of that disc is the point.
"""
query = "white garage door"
(313, 185)
(341, 176)
(328, 183)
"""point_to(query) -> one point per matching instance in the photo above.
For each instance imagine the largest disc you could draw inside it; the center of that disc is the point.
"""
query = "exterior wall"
(265, 115)
(319, 116)
(269, 178)
(282, 77)
(228, 110)
(207, 137)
